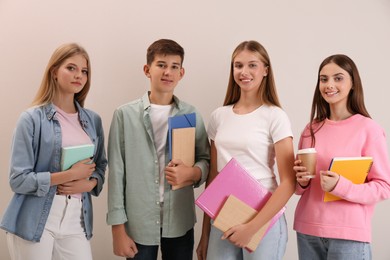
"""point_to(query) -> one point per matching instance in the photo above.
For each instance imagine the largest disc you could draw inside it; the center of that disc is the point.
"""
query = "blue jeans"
(177, 248)
(271, 247)
(319, 248)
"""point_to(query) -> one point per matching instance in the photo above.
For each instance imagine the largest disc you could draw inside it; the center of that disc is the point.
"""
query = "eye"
(338, 78)
(323, 79)
(175, 67)
(161, 65)
(70, 68)
(237, 65)
(252, 65)
(85, 72)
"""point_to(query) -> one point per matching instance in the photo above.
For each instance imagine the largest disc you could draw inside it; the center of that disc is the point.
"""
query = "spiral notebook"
(354, 169)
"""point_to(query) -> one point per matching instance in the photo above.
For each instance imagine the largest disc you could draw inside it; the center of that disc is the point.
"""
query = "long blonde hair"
(49, 87)
(267, 90)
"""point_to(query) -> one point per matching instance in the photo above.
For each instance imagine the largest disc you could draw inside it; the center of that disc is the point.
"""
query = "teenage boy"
(144, 211)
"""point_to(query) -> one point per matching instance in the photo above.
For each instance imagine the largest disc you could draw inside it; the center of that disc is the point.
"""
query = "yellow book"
(235, 212)
(354, 169)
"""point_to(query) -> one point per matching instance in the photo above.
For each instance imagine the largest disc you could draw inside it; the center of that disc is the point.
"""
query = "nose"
(244, 70)
(78, 75)
(167, 71)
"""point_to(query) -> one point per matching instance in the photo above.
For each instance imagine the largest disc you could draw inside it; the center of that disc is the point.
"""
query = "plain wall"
(297, 34)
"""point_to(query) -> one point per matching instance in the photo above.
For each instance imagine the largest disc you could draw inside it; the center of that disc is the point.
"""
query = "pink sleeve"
(377, 186)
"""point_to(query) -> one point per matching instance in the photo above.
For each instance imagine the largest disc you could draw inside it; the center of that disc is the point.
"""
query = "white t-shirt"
(159, 116)
(250, 139)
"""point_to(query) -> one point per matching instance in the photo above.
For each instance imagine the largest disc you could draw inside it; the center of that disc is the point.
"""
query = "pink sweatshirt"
(349, 218)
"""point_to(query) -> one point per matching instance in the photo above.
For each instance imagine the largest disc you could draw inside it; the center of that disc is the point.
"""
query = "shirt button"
(156, 181)
(158, 202)
(155, 161)
(158, 222)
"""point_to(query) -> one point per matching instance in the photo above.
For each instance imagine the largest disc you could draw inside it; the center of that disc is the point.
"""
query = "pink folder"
(233, 179)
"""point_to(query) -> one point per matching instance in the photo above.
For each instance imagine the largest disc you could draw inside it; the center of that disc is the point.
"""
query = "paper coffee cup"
(308, 157)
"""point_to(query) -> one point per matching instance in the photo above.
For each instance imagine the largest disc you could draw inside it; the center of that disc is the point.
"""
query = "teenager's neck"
(339, 113)
(161, 98)
(247, 104)
(65, 103)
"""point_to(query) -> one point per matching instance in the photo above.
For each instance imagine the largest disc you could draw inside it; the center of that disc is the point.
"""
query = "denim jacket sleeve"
(26, 176)
(100, 157)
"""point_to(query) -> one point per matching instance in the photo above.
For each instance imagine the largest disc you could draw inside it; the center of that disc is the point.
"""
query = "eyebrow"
(251, 61)
(337, 74)
(74, 64)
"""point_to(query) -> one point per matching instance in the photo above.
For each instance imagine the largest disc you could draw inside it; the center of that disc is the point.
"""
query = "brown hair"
(320, 109)
(49, 86)
(267, 90)
(164, 47)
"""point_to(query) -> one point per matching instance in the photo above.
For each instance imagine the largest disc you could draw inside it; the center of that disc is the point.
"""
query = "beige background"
(297, 34)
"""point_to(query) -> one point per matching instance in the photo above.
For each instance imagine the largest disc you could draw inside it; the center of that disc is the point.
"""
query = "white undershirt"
(159, 116)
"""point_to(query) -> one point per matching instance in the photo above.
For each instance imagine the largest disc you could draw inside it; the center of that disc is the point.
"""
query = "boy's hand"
(123, 245)
(177, 173)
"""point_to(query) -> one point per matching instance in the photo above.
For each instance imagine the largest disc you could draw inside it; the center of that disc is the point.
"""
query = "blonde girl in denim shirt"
(50, 214)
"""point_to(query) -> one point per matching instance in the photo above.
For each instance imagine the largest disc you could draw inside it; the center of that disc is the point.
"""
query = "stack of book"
(235, 197)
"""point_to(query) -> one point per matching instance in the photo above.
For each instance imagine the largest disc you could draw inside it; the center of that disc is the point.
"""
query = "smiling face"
(335, 85)
(72, 75)
(249, 71)
(164, 73)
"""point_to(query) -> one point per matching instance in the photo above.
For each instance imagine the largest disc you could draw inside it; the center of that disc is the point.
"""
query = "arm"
(95, 171)
(123, 245)
(201, 251)
(377, 187)
(100, 159)
(240, 235)
(117, 177)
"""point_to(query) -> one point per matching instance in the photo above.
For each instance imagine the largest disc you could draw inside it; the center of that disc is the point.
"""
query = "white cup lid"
(307, 150)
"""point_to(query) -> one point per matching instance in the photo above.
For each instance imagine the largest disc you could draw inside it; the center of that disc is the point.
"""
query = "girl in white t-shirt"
(252, 128)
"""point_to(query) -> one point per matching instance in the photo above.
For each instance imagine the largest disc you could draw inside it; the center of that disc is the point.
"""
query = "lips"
(245, 80)
(167, 80)
(332, 93)
(76, 83)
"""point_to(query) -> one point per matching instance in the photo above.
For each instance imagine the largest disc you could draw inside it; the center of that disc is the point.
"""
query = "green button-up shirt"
(133, 179)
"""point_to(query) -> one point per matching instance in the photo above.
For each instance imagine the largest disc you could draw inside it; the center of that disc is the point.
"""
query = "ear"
(146, 70)
(182, 72)
(266, 71)
(54, 74)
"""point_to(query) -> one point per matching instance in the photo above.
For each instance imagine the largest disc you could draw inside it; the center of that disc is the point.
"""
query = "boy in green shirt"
(142, 208)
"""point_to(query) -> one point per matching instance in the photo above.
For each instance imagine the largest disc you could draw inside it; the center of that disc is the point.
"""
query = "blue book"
(176, 122)
(73, 154)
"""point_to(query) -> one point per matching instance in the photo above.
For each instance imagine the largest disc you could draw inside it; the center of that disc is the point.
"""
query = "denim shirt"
(35, 154)
(134, 179)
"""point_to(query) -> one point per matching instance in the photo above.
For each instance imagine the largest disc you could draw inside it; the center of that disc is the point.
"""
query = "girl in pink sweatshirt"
(340, 126)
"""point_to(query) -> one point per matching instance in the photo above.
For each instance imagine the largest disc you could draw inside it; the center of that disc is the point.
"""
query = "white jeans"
(63, 237)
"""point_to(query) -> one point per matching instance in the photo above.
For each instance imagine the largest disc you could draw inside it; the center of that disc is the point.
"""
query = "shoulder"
(368, 124)
(222, 110)
(274, 110)
(130, 107)
(274, 113)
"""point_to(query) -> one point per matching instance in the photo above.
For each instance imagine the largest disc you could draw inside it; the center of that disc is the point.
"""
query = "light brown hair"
(267, 90)
(49, 86)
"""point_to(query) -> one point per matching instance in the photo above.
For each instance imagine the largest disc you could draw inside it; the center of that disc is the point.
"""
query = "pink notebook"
(233, 179)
